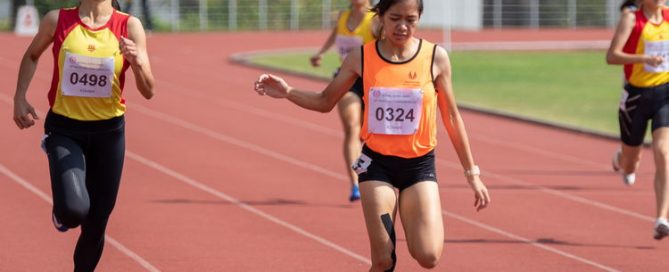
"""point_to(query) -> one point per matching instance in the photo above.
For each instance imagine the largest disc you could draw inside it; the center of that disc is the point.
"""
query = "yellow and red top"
(648, 39)
(400, 117)
(89, 69)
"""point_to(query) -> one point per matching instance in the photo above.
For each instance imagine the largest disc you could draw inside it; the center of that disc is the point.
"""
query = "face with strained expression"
(400, 21)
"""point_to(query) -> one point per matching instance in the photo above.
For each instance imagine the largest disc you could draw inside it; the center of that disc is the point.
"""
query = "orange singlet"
(400, 102)
(89, 70)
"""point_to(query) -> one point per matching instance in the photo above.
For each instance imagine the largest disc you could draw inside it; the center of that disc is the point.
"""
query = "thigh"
(378, 198)
(68, 171)
(105, 165)
(349, 108)
(633, 115)
(420, 211)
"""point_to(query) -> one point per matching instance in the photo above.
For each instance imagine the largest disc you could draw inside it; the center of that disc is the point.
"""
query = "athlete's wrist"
(474, 171)
(289, 90)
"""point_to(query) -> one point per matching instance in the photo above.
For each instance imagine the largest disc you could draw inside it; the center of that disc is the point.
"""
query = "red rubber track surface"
(217, 178)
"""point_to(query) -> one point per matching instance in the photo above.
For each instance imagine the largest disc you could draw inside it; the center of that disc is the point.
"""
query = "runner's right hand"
(654, 60)
(316, 60)
(272, 86)
(23, 112)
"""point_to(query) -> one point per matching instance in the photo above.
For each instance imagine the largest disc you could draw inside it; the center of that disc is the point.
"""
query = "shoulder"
(53, 15)
(628, 16)
(440, 54)
(50, 21)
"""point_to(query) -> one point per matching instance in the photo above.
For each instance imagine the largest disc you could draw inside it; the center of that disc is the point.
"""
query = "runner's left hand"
(130, 52)
(481, 196)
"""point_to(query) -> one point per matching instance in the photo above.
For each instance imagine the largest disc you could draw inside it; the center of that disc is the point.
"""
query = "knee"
(73, 215)
(427, 260)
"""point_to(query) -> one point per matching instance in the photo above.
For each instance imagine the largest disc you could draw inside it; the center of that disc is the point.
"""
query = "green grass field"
(577, 89)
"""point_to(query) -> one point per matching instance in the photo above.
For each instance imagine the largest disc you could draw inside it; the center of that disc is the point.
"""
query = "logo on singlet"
(412, 75)
(91, 48)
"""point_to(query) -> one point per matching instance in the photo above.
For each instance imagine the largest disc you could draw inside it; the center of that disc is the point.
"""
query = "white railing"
(232, 15)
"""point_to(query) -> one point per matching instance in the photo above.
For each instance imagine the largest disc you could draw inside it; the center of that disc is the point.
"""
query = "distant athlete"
(641, 44)
(354, 28)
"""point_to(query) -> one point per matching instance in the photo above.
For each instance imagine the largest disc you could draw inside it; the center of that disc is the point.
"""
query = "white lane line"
(237, 142)
(187, 125)
(331, 132)
(528, 241)
(113, 242)
(554, 192)
(202, 187)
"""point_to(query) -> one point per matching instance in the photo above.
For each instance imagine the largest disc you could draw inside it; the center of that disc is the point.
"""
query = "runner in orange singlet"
(354, 28)
(406, 82)
(641, 44)
(93, 46)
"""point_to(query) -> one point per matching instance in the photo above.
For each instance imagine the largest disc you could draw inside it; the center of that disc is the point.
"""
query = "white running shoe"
(628, 179)
(661, 230)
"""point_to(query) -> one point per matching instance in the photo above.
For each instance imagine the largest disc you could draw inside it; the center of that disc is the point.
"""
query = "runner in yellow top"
(354, 28)
(93, 46)
(406, 80)
(641, 44)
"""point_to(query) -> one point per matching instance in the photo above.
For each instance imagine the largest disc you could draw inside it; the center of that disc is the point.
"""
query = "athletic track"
(219, 179)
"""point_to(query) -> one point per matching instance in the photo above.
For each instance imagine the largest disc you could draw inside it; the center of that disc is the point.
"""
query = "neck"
(399, 51)
(95, 8)
(360, 9)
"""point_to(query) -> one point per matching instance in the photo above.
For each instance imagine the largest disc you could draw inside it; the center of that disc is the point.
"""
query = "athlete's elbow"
(148, 93)
(612, 58)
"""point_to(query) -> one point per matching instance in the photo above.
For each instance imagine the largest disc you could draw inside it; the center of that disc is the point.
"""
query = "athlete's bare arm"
(323, 101)
(24, 113)
(455, 126)
(615, 54)
(316, 59)
(134, 51)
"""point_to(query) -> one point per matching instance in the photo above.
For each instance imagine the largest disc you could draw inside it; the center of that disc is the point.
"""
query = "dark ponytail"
(384, 5)
(116, 5)
(629, 4)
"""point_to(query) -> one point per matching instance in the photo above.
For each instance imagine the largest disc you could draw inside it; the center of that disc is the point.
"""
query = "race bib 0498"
(87, 76)
(657, 48)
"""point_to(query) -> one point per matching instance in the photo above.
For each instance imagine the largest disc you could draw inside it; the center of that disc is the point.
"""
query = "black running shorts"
(637, 107)
(400, 172)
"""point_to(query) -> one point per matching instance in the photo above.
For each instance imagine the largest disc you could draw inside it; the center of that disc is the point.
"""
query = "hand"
(654, 60)
(316, 60)
(272, 86)
(130, 52)
(23, 112)
(481, 196)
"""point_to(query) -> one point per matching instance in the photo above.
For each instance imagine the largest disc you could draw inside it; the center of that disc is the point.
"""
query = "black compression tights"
(85, 176)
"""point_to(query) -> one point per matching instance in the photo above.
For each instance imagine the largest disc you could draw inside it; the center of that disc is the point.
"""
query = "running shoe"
(661, 230)
(59, 226)
(355, 193)
(628, 179)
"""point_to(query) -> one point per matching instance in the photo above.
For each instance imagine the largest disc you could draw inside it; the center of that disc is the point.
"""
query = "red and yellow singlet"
(648, 39)
(400, 103)
(89, 70)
